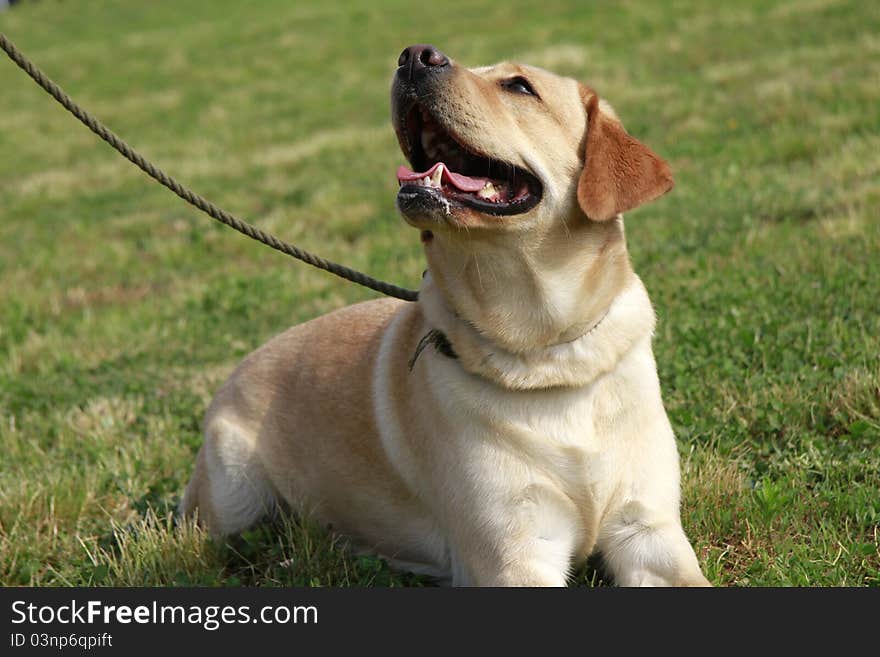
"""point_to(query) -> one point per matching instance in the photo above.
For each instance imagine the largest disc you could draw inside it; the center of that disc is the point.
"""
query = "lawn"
(122, 309)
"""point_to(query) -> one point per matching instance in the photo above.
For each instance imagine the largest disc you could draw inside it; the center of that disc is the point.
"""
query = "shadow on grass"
(162, 548)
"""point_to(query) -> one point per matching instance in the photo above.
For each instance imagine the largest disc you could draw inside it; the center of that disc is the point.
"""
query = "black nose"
(419, 57)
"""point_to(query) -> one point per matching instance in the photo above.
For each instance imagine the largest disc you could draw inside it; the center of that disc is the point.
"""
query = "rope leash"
(188, 195)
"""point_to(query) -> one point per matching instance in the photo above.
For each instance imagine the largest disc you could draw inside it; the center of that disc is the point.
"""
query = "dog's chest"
(566, 436)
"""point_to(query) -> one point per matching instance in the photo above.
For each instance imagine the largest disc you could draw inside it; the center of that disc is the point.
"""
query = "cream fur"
(545, 441)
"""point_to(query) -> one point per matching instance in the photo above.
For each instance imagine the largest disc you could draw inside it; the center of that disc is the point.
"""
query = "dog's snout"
(419, 58)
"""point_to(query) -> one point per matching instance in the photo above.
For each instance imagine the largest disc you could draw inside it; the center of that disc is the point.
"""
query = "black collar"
(441, 344)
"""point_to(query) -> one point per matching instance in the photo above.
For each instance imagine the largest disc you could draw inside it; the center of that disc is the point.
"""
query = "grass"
(121, 309)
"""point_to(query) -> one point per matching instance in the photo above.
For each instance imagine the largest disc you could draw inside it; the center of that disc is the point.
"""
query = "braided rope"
(191, 197)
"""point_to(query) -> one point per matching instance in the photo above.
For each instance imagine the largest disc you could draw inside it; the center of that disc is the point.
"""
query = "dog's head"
(516, 177)
(497, 146)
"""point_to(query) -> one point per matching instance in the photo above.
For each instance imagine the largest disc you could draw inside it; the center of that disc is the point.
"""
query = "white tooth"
(426, 181)
(488, 191)
(437, 178)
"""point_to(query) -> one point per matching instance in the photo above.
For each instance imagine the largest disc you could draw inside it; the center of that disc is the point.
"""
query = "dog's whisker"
(567, 228)
(477, 266)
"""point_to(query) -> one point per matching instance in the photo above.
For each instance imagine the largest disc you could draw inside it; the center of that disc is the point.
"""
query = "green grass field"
(122, 309)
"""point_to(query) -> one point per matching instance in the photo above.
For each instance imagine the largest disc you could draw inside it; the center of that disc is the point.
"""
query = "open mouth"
(443, 165)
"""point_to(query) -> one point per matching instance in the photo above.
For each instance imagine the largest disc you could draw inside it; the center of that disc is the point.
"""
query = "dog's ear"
(620, 173)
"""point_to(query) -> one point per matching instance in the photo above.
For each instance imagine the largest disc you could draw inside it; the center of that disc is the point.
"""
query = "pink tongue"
(464, 183)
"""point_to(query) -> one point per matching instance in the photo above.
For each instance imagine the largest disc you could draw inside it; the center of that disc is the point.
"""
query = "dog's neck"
(527, 325)
(628, 322)
(526, 290)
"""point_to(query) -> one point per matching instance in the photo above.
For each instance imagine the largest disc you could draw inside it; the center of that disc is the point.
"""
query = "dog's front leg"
(533, 546)
(539, 563)
(641, 547)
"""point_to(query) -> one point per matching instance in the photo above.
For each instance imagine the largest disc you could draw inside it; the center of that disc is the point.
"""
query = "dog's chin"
(427, 208)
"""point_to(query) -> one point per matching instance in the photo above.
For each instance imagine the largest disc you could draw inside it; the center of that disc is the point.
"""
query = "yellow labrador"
(510, 423)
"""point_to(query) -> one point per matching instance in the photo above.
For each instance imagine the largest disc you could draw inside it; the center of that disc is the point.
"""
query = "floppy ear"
(620, 173)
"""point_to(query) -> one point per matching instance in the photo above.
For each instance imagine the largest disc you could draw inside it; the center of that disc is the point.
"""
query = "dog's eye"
(518, 85)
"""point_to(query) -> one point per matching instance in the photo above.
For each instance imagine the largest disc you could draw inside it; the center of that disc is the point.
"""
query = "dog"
(510, 423)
